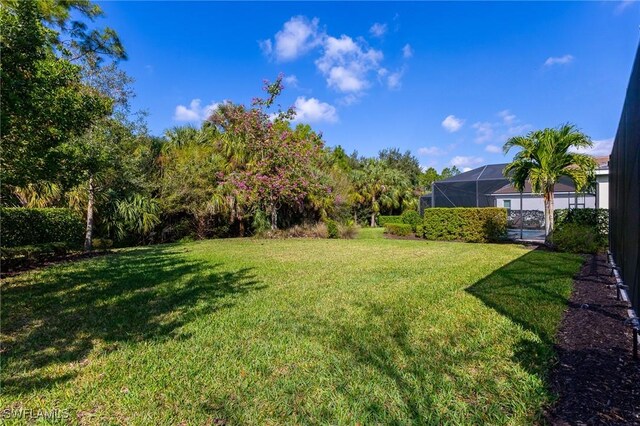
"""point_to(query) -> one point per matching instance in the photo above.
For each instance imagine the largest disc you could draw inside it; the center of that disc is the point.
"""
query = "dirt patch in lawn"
(596, 378)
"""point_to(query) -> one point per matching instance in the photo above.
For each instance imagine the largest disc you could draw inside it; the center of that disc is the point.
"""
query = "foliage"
(486, 224)
(26, 226)
(411, 336)
(378, 186)
(332, 229)
(545, 156)
(22, 256)
(400, 229)
(405, 163)
(317, 230)
(382, 220)
(44, 100)
(597, 219)
(412, 218)
(577, 238)
(348, 230)
(580, 230)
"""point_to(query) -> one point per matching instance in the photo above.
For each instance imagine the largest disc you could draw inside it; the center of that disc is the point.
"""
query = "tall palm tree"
(545, 156)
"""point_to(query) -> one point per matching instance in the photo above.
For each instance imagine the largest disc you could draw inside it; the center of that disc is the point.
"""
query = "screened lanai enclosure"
(487, 186)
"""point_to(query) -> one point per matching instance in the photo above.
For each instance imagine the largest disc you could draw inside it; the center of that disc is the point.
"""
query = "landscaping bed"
(596, 379)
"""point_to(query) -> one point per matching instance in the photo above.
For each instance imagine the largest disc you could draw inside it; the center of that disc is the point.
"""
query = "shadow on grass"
(135, 296)
(532, 291)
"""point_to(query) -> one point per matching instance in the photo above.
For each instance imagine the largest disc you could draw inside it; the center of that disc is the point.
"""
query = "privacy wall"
(624, 189)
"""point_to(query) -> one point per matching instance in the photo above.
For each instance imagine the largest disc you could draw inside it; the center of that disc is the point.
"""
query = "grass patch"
(366, 331)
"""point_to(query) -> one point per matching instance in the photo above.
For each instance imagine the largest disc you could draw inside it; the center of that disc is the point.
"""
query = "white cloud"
(297, 36)
(291, 80)
(507, 117)
(484, 132)
(394, 80)
(494, 149)
(407, 51)
(378, 30)
(558, 60)
(466, 161)
(346, 64)
(600, 147)
(431, 150)
(312, 110)
(452, 124)
(194, 112)
(466, 169)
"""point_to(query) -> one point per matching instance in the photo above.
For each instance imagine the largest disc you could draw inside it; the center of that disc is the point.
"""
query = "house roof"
(603, 161)
(564, 185)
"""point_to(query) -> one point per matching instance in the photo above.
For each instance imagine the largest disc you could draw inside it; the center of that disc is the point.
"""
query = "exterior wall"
(602, 191)
(536, 202)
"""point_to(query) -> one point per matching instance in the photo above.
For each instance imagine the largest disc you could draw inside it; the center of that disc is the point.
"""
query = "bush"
(349, 230)
(474, 225)
(21, 226)
(411, 217)
(332, 229)
(15, 257)
(596, 219)
(389, 219)
(400, 229)
(576, 238)
(102, 244)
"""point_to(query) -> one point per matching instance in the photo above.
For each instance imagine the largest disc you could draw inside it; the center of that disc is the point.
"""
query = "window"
(507, 204)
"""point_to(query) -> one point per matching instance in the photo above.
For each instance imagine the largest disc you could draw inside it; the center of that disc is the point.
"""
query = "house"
(486, 186)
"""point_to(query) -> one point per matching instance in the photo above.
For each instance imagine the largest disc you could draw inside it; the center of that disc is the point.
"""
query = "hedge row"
(389, 219)
(476, 225)
(597, 219)
(400, 229)
(24, 227)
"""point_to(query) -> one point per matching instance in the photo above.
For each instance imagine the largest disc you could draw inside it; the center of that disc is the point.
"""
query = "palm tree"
(545, 156)
(380, 186)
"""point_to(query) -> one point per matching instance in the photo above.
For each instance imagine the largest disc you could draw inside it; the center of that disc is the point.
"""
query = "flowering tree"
(269, 164)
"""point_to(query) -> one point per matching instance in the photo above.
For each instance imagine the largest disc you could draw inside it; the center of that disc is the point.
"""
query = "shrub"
(102, 243)
(411, 217)
(21, 226)
(15, 257)
(475, 225)
(332, 229)
(596, 219)
(349, 230)
(389, 219)
(420, 231)
(576, 238)
(400, 229)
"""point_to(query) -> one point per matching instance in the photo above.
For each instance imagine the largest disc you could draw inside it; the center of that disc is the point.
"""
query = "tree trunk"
(373, 213)
(274, 218)
(88, 236)
(548, 214)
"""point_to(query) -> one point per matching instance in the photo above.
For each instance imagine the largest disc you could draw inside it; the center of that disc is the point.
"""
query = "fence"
(624, 189)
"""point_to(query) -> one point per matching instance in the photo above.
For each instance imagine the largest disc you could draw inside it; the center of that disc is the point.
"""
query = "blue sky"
(447, 81)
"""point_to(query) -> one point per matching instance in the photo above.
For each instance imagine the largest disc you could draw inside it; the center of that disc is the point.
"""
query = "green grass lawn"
(250, 331)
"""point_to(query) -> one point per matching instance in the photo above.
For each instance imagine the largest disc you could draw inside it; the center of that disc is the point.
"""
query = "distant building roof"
(564, 185)
(488, 172)
(603, 161)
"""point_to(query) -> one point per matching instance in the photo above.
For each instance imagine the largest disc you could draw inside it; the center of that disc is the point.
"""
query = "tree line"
(70, 139)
